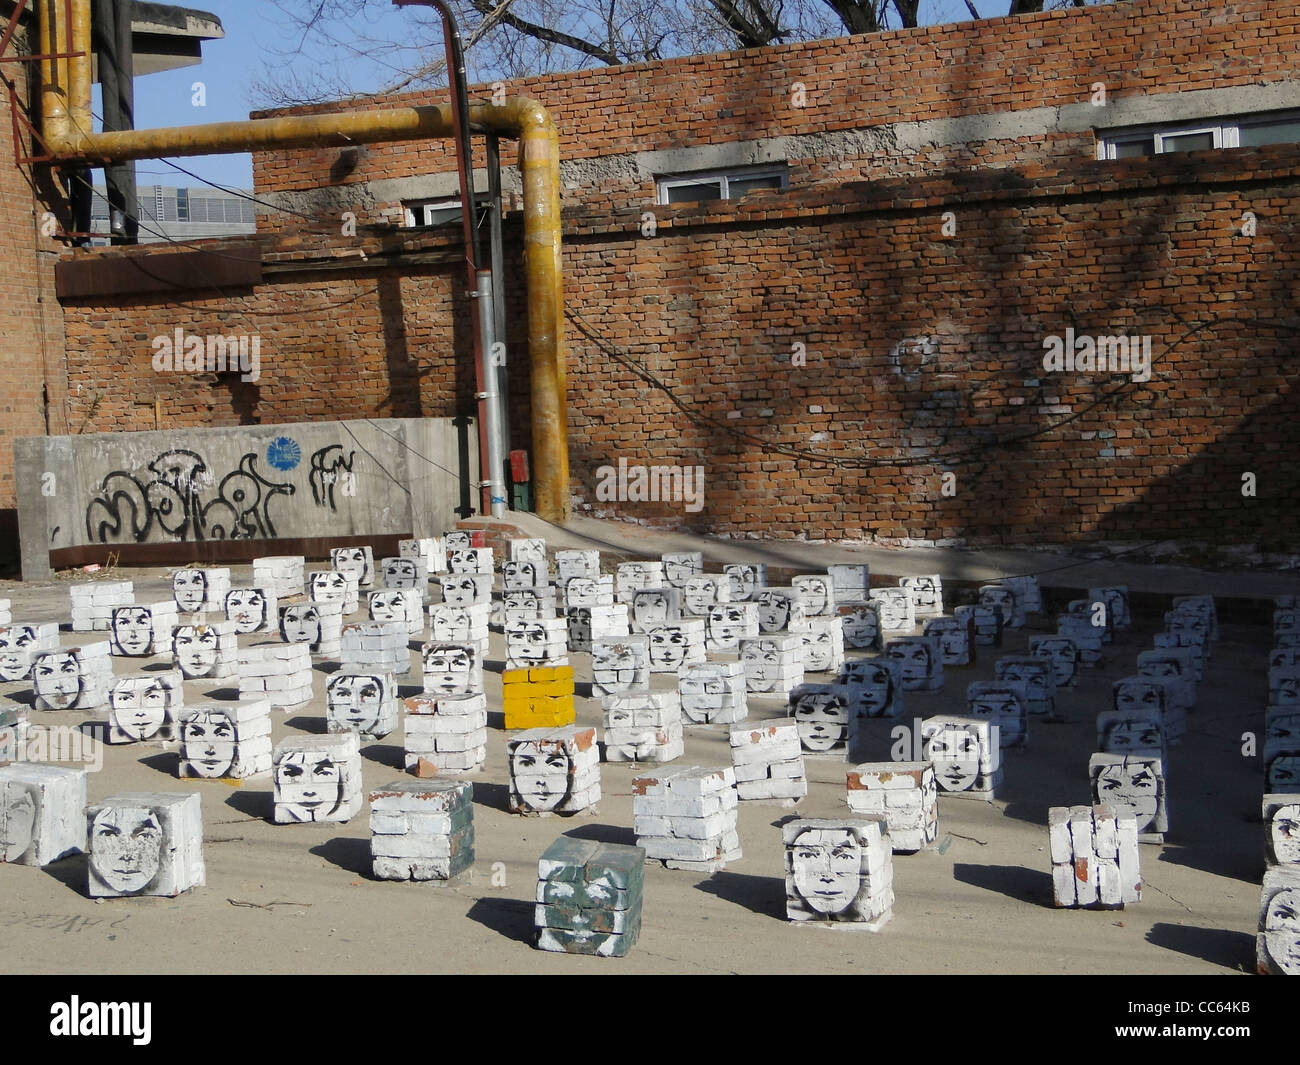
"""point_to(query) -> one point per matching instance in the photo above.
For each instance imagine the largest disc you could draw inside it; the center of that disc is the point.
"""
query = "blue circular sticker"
(283, 453)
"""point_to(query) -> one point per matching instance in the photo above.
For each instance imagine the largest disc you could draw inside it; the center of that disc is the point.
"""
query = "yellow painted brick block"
(550, 673)
(548, 720)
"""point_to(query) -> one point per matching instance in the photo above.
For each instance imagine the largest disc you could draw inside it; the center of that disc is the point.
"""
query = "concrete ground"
(298, 898)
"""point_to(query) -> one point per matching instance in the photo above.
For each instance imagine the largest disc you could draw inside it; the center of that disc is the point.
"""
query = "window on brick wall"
(438, 212)
(1244, 131)
(720, 184)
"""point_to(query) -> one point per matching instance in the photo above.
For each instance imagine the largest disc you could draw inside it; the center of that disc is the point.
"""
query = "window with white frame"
(437, 212)
(720, 184)
(1244, 131)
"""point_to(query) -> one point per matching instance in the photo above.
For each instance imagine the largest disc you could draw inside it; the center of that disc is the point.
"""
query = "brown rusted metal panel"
(188, 271)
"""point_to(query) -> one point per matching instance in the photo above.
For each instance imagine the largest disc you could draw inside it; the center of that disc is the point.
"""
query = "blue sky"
(256, 40)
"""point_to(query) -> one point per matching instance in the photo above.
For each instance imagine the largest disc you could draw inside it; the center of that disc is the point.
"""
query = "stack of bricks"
(897, 611)
(277, 672)
(839, 874)
(676, 644)
(1003, 598)
(773, 664)
(633, 576)
(357, 700)
(652, 607)
(686, 817)
(405, 605)
(538, 697)
(927, 595)
(570, 564)
(554, 770)
(1138, 692)
(358, 563)
(470, 560)
(956, 640)
(817, 593)
(966, 760)
(208, 651)
(226, 741)
(875, 689)
(1115, 598)
(1094, 853)
(1097, 615)
(429, 548)
(905, 794)
(821, 713)
(451, 668)
(253, 610)
(541, 642)
(327, 585)
(92, 604)
(517, 575)
(619, 666)
(73, 678)
(446, 733)
(421, 829)
(143, 629)
(747, 579)
(779, 610)
(588, 623)
(461, 624)
(860, 623)
(852, 584)
(376, 645)
(986, 621)
(588, 591)
(527, 549)
(1089, 639)
(282, 575)
(589, 897)
(768, 761)
(146, 706)
(1037, 677)
(823, 644)
(1175, 664)
(643, 727)
(1277, 944)
(317, 778)
(318, 626)
(200, 590)
(702, 593)
(1136, 781)
(1028, 594)
(1003, 704)
(20, 644)
(1063, 654)
(44, 810)
(920, 662)
(405, 574)
(713, 693)
(145, 844)
(524, 604)
(730, 623)
(1139, 732)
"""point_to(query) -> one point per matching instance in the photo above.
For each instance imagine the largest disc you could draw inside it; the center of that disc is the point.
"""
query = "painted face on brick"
(1287, 691)
(994, 704)
(827, 869)
(616, 667)
(126, 848)
(208, 743)
(387, 605)
(140, 708)
(540, 773)
(668, 646)
(700, 594)
(861, 628)
(763, 663)
(400, 573)
(190, 589)
(816, 594)
(525, 602)
(133, 630)
(450, 623)
(530, 643)
(194, 648)
(955, 753)
(1282, 773)
(449, 669)
(819, 651)
(954, 643)
(58, 679)
(246, 607)
(16, 647)
(353, 562)
(328, 585)
(579, 625)
(1121, 737)
(1064, 657)
(1034, 680)
(308, 785)
(678, 571)
(1284, 832)
(743, 580)
(462, 560)
(893, 612)
(1132, 783)
(873, 686)
(356, 699)
(520, 574)
(704, 692)
(924, 594)
(773, 612)
(914, 659)
(1282, 930)
(300, 623)
(1134, 695)
(650, 608)
(1195, 626)
(822, 719)
(459, 591)
(726, 625)
(19, 813)
(581, 591)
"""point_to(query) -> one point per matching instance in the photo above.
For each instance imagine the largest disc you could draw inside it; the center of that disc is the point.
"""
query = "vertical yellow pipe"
(54, 113)
(80, 116)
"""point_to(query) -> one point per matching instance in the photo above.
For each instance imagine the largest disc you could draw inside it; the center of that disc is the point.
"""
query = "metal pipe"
(495, 461)
(520, 117)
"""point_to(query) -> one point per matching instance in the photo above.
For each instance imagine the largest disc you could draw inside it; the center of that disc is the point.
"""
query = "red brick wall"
(31, 325)
(1134, 47)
